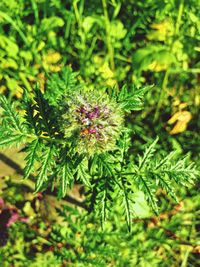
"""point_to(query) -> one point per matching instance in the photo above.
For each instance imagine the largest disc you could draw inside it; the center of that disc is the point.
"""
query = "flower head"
(95, 120)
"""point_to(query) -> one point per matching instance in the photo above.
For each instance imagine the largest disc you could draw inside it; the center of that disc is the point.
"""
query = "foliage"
(76, 239)
(54, 116)
(85, 147)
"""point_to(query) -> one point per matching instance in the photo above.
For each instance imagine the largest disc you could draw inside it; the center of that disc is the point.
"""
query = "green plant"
(90, 142)
(79, 135)
(73, 237)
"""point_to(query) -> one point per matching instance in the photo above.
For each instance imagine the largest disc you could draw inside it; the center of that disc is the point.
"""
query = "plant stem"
(108, 37)
(179, 70)
(178, 21)
(77, 15)
(81, 32)
(13, 23)
(166, 76)
(162, 93)
(35, 10)
(32, 137)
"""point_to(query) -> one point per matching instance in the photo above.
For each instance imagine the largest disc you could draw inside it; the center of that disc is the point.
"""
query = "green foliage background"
(108, 43)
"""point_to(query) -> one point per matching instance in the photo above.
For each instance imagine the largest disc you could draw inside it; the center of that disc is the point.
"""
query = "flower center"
(89, 118)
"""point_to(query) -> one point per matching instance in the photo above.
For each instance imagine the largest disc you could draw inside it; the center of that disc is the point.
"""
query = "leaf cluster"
(110, 177)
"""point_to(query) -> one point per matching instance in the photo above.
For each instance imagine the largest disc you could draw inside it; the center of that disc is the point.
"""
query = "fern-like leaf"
(67, 177)
(82, 173)
(148, 154)
(31, 157)
(181, 172)
(10, 115)
(165, 184)
(45, 167)
(10, 140)
(31, 117)
(126, 203)
(149, 190)
(59, 84)
(132, 99)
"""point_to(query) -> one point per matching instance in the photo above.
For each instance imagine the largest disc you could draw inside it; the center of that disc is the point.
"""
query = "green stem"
(185, 258)
(180, 70)
(13, 23)
(25, 81)
(166, 76)
(77, 15)
(81, 32)
(108, 37)
(162, 94)
(32, 137)
(35, 10)
(127, 206)
(180, 13)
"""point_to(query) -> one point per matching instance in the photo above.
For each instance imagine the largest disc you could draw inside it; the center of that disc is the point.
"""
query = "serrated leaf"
(59, 84)
(127, 208)
(105, 167)
(10, 114)
(9, 140)
(103, 210)
(67, 177)
(132, 99)
(82, 173)
(45, 167)
(148, 154)
(150, 192)
(31, 157)
(166, 185)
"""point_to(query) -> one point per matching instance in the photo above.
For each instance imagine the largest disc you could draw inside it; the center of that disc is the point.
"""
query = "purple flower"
(92, 130)
(97, 118)
(95, 113)
(82, 110)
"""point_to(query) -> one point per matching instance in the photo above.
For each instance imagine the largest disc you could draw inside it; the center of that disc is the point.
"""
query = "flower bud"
(94, 119)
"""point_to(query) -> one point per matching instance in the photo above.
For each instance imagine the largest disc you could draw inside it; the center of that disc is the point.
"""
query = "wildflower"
(95, 120)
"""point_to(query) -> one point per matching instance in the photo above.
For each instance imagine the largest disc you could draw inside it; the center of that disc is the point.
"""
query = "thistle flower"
(94, 119)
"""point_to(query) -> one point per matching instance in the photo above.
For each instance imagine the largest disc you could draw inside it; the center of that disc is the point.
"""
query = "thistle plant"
(71, 134)
(94, 119)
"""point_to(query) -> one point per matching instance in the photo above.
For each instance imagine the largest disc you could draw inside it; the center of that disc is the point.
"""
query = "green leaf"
(10, 114)
(46, 114)
(165, 184)
(67, 177)
(132, 99)
(144, 57)
(181, 171)
(117, 30)
(31, 117)
(148, 154)
(104, 208)
(59, 84)
(48, 24)
(149, 190)
(10, 140)
(31, 157)
(82, 173)
(126, 202)
(46, 163)
(105, 166)
(164, 161)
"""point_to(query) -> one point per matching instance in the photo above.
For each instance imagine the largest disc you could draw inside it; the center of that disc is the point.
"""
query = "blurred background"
(109, 43)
